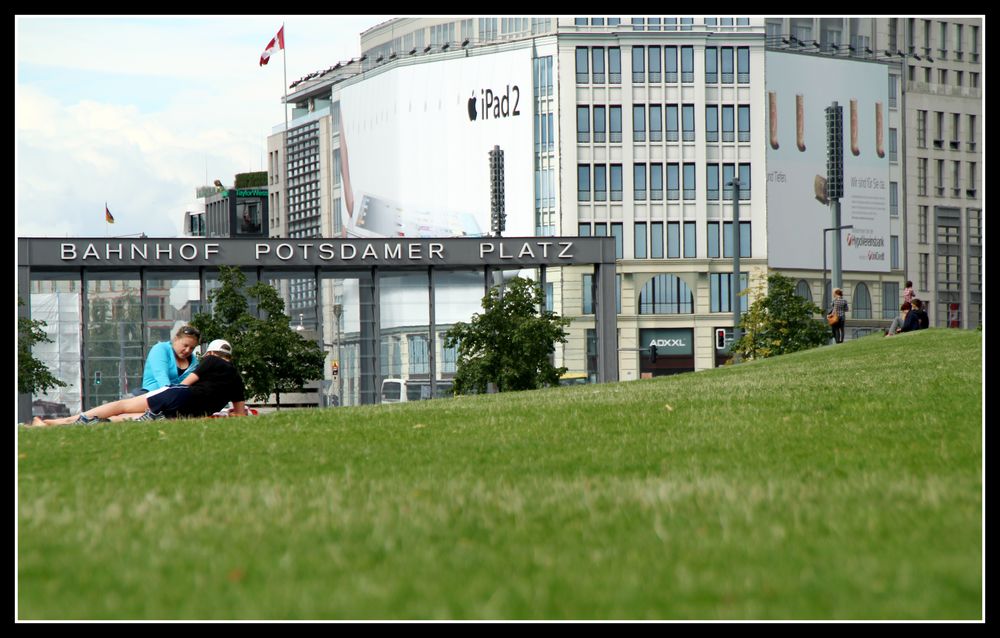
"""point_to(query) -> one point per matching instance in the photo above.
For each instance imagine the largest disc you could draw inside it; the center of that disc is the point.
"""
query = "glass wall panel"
(57, 303)
(115, 353)
(404, 335)
(348, 339)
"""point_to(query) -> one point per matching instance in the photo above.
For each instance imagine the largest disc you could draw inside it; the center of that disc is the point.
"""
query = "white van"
(405, 390)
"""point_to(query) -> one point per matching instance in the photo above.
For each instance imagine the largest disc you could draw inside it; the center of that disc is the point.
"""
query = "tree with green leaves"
(510, 343)
(33, 376)
(271, 356)
(780, 322)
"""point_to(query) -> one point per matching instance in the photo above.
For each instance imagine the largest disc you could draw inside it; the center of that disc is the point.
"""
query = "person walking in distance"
(840, 308)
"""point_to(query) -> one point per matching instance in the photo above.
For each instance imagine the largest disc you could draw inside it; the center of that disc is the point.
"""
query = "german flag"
(108, 217)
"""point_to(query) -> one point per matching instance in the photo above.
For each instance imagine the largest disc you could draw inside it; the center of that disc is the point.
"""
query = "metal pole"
(735, 285)
(838, 276)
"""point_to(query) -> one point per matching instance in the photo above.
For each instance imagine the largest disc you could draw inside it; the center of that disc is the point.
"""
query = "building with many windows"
(632, 128)
(935, 120)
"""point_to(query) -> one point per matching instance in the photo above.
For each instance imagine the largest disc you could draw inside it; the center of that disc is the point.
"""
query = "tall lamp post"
(837, 273)
(735, 284)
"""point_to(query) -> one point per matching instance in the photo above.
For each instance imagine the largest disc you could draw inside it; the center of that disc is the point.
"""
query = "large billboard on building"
(417, 140)
(799, 88)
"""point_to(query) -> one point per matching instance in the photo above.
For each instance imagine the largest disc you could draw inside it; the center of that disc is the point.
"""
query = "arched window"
(803, 290)
(862, 307)
(665, 295)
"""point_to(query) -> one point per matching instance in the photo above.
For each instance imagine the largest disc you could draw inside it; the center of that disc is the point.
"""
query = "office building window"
(712, 236)
(890, 300)
(582, 124)
(614, 65)
(922, 129)
(655, 123)
(615, 124)
(656, 182)
(656, 240)
(673, 182)
(728, 172)
(588, 294)
(712, 181)
(666, 294)
(711, 65)
(712, 123)
(600, 124)
(600, 183)
(670, 64)
(744, 122)
(687, 120)
(639, 180)
(721, 296)
(893, 199)
(894, 252)
(597, 63)
(619, 234)
(638, 65)
(690, 240)
(638, 123)
(582, 65)
(862, 306)
(689, 182)
(673, 240)
(654, 64)
(639, 249)
(893, 157)
(922, 224)
(583, 183)
(687, 65)
(922, 176)
(728, 125)
(744, 182)
(743, 65)
(616, 182)
(727, 239)
(583, 229)
(672, 123)
(727, 65)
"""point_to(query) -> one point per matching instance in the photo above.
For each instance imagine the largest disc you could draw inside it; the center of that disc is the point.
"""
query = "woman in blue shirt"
(169, 362)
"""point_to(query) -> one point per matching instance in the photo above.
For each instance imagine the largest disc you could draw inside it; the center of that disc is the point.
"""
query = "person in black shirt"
(203, 392)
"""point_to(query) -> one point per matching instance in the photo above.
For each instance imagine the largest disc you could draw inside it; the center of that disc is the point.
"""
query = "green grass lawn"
(839, 483)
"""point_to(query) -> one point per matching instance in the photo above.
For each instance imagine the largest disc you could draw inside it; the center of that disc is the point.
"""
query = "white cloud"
(146, 153)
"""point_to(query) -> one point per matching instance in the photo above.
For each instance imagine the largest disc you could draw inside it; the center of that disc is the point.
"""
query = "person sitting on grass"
(202, 393)
(897, 323)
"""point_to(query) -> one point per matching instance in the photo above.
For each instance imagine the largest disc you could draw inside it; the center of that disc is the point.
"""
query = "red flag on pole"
(276, 43)
(108, 217)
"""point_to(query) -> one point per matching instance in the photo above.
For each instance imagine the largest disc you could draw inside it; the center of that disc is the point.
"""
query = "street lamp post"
(837, 274)
(735, 284)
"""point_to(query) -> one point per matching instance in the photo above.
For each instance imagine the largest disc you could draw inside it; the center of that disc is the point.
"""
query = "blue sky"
(140, 111)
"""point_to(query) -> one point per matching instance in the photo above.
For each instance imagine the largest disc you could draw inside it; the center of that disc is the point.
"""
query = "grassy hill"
(843, 482)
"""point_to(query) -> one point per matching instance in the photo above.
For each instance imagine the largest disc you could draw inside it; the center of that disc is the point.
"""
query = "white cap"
(220, 345)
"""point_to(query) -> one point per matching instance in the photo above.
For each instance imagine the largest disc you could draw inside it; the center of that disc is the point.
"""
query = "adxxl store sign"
(668, 341)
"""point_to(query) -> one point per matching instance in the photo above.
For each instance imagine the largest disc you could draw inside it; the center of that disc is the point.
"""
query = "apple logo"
(472, 107)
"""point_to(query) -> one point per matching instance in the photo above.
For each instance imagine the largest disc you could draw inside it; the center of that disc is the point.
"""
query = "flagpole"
(284, 64)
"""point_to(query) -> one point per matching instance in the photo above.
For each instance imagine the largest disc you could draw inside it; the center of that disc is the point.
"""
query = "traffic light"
(97, 377)
(652, 353)
(720, 338)
(834, 152)
(498, 214)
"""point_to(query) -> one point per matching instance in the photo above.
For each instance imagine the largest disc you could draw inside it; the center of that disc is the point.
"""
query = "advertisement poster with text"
(799, 89)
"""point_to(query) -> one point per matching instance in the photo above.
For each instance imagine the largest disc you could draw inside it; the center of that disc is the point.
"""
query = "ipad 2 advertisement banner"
(799, 88)
(415, 143)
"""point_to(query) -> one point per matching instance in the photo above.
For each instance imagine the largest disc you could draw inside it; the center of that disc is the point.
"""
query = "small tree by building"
(780, 322)
(33, 376)
(271, 356)
(510, 343)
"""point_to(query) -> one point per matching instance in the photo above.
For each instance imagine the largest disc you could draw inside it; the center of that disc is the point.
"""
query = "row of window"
(649, 239)
(656, 64)
(956, 123)
(942, 171)
(593, 181)
(668, 294)
(669, 122)
(661, 24)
